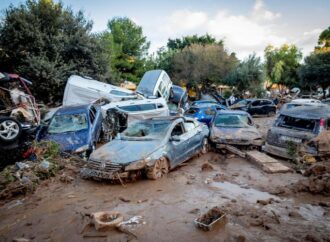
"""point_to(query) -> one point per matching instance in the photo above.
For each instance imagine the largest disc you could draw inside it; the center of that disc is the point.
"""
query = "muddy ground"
(259, 206)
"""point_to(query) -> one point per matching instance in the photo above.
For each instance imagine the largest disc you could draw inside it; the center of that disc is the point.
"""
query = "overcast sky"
(246, 26)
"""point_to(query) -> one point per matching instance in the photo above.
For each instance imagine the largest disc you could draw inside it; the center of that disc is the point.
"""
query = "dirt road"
(259, 206)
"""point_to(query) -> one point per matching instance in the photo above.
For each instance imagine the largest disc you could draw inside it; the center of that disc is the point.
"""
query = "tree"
(316, 71)
(127, 49)
(282, 64)
(202, 64)
(180, 44)
(324, 41)
(248, 75)
(46, 43)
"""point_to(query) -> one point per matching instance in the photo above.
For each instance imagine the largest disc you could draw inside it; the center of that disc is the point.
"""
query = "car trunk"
(292, 130)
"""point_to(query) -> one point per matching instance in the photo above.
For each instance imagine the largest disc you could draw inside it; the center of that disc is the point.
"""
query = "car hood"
(248, 133)
(125, 151)
(69, 141)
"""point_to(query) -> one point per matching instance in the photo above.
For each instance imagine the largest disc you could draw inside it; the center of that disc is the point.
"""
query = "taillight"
(322, 124)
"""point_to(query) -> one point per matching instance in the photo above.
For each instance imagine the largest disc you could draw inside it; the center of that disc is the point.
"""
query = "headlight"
(82, 149)
(137, 165)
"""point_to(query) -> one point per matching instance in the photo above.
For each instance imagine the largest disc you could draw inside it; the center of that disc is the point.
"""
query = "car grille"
(104, 166)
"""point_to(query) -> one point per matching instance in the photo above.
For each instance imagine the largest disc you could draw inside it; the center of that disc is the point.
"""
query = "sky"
(246, 26)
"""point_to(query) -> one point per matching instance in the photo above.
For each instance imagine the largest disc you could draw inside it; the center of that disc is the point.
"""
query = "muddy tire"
(10, 130)
(205, 146)
(159, 169)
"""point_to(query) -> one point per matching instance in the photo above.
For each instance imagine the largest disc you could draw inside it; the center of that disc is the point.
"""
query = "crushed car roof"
(73, 109)
(305, 112)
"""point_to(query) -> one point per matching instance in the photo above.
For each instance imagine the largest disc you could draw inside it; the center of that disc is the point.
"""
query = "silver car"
(152, 146)
(231, 127)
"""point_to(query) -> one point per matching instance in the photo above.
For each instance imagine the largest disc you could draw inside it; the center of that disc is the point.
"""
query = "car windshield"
(68, 123)
(231, 121)
(142, 130)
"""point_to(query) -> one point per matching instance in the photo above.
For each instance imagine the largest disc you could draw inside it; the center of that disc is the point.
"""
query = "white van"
(82, 90)
(155, 83)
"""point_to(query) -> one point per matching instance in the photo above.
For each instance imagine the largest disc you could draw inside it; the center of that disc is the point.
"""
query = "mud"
(56, 211)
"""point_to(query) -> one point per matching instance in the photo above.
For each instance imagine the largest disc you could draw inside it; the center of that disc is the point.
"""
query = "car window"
(266, 102)
(140, 107)
(297, 123)
(192, 111)
(92, 113)
(189, 125)
(119, 93)
(178, 130)
(256, 103)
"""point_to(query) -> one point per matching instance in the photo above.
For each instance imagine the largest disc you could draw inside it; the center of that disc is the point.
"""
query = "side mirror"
(175, 138)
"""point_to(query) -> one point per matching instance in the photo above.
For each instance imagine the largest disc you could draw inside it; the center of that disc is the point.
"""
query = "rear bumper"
(218, 142)
(277, 151)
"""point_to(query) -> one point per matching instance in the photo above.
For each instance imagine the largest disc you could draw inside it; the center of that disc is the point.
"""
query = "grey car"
(295, 127)
(152, 146)
(231, 127)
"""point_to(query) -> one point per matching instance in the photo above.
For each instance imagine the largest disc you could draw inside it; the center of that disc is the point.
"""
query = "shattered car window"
(231, 121)
(68, 123)
(192, 111)
(146, 129)
(297, 123)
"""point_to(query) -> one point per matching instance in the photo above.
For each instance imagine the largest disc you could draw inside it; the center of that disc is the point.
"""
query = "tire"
(205, 146)
(159, 169)
(10, 130)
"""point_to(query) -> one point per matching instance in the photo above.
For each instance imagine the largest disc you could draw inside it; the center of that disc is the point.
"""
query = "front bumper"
(88, 173)
(237, 142)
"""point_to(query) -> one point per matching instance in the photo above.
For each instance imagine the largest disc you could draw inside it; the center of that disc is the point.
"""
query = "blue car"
(76, 128)
(152, 146)
(204, 111)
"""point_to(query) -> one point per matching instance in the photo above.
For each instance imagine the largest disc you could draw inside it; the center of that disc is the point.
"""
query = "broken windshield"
(68, 123)
(146, 130)
(231, 121)
(297, 123)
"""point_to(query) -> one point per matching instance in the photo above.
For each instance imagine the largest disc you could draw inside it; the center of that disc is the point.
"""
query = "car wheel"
(271, 113)
(158, 170)
(205, 146)
(10, 130)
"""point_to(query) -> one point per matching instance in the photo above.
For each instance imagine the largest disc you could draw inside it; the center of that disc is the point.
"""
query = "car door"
(255, 107)
(179, 149)
(194, 132)
(95, 124)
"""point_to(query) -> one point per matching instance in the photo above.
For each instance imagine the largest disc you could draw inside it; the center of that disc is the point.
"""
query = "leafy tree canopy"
(324, 41)
(282, 63)
(46, 43)
(179, 44)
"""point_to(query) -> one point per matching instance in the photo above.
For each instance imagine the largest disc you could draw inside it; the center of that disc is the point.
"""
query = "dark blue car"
(76, 128)
(204, 111)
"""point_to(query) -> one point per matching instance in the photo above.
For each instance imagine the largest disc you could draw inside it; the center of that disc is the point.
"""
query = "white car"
(82, 90)
(155, 83)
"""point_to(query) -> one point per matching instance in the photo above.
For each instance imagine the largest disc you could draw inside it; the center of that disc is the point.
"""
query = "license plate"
(287, 138)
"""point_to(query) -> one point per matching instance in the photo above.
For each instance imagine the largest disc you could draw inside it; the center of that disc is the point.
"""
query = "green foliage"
(316, 70)
(324, 41)
(46, 43)
(227, 94)
(186, 41)
(201, 64)
(247, 76)
(126, 50)
(282, 64)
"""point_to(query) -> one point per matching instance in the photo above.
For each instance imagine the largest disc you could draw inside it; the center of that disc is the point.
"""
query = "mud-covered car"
(152, 146)
(76, 128)
(230, 127)
(256, 106)
(295, 127)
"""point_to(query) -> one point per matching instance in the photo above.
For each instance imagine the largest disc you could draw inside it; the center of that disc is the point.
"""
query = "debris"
(207, 181)
(209, 219)
(44, 166)
(124, 199)
(20, 240)
(207, 167)
(231, 156)
(194, 211)
(106, 220)
(66, 178)
(234, 150)
(21, 165)
(265, 202)
(308, 159)
(142, 201)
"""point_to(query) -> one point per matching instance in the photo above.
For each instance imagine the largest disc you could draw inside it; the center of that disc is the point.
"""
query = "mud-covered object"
(322, 142)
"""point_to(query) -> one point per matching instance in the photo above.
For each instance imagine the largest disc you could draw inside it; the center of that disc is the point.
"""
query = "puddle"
(235, 191)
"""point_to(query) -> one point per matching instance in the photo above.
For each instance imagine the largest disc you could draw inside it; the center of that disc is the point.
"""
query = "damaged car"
(76, 128)
(230, 127)
(256, 106)
(152, 147)
(294, 128)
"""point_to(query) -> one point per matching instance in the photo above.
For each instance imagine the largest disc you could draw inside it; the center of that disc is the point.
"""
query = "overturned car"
(152, 146)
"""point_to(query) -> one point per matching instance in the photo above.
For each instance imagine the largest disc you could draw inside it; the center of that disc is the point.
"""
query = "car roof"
(169, 118)
(307, 112)
(73, 109)
(307, 100)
